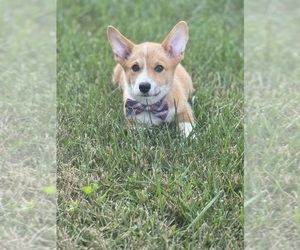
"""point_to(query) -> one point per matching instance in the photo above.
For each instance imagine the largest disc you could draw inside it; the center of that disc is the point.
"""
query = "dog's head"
(149, 67)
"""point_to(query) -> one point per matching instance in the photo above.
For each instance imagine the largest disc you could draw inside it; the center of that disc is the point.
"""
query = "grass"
(27, 126)
(272, 126)
(150, 189)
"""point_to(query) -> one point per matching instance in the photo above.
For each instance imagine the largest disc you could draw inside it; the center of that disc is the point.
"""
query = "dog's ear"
(120, 45)
(175, 42)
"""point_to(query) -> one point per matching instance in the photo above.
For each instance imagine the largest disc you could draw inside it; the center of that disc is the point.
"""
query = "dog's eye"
(159, 68)
(135, 68)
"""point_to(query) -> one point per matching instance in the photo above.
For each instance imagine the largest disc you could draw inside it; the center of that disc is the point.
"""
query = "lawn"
(151, 189)
(272, 125)
(27, 125)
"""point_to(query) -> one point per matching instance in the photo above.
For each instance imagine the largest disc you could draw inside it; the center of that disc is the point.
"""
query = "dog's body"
(155, 85)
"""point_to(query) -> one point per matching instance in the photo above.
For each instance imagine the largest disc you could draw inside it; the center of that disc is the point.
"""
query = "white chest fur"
(150, 119)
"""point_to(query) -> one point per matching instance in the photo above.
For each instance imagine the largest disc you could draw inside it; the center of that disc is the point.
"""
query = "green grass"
(27, 125)
(150, 189)
(272, 125)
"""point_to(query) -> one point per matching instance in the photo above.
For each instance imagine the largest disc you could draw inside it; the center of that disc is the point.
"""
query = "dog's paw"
(187, 128)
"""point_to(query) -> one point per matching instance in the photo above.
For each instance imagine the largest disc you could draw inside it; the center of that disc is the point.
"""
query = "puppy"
(155, 85)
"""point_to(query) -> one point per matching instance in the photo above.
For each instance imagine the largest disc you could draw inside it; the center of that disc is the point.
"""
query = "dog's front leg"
(186, 122)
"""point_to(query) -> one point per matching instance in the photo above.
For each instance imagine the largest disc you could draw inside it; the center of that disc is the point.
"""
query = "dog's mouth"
(149, 95)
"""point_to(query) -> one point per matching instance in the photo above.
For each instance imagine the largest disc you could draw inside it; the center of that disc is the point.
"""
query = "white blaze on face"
(143, 77)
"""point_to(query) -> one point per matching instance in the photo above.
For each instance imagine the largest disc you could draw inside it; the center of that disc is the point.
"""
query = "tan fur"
(147, 56)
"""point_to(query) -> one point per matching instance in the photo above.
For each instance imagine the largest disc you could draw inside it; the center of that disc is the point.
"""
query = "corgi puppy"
(155, 85)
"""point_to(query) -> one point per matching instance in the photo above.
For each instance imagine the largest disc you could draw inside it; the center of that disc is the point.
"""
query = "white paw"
(186, 128)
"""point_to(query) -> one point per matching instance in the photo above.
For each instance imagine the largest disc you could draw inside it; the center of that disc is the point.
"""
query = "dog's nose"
(145, 87)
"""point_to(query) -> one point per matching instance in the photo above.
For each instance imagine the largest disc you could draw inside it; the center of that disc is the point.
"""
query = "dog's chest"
(150, 119)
